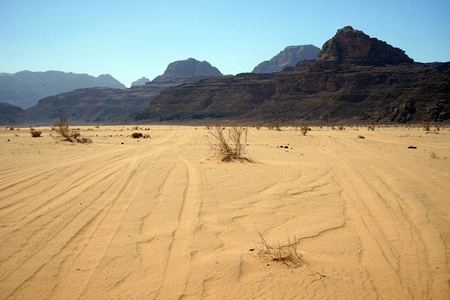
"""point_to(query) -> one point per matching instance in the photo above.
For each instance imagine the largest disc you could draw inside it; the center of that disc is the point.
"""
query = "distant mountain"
(140, 81)
(102, 105)
(189, 68)
(289, 57)
(8, 113)
(25, 88)
(355, 78)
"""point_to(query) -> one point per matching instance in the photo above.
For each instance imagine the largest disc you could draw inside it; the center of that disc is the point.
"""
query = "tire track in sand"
(177, 271)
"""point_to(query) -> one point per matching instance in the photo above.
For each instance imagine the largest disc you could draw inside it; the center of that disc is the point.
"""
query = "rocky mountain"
(289, 57)
(355, 78)
(140, 81)
(25, 88)
(189, 68)
(102, 105)
(8, 113)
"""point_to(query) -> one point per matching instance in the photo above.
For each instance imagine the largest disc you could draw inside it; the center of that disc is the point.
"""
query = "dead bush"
(231, 142)
(136, 135)
(304, 129)
(286, 254)
(61, 127)
(35, 133)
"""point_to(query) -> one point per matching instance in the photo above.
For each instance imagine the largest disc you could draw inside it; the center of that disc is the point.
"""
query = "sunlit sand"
(165, 218)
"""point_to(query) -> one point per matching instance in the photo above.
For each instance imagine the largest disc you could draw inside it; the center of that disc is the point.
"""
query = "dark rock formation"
(9, 113)
(354, 79)
(289, 57)
(354, 46)
(25, 88)
(187, 69)
(140, 81)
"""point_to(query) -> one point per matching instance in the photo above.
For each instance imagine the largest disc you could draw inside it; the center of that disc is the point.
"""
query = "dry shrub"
(426, 127)
(35, 133)
(341, 127)
(61, 127)
(371, 128)
(286, 254)
(304, 129)
(135, 128)
(231, 142)
(136, 135)
(275, 125)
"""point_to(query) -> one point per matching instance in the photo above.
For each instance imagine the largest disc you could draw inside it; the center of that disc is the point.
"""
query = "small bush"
(35, 133)
(275, 125)
(371, 128)
(341, 127)
(304, 129)
(230, 143)
(426, 127)
(136, 135)
(61, 127)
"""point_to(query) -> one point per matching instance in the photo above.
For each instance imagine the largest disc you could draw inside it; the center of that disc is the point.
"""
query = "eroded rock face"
(355, 47)
(356, 78)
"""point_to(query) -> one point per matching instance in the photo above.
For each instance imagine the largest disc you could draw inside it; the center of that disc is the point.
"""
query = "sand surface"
(162, 218)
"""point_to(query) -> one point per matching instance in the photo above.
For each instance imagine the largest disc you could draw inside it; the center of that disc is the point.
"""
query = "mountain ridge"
(288, 57)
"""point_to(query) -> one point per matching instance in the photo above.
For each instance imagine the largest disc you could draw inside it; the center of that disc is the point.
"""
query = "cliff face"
(354, 79)
(355, 47)
(289, 57)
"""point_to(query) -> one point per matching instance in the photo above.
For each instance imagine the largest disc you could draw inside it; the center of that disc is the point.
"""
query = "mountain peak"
(189, 68)
(354, 46)
(289, 57)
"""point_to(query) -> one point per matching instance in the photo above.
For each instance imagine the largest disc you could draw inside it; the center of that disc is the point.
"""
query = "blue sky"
(131, 39)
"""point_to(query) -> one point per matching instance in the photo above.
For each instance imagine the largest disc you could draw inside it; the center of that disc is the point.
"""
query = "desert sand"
(164, 218)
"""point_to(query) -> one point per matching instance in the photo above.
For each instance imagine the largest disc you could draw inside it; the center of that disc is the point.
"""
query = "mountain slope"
(354, 79)
(25, 88)
(289, 57)
(102, 105)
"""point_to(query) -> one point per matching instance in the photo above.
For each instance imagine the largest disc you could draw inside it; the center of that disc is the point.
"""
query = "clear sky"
(130, 39)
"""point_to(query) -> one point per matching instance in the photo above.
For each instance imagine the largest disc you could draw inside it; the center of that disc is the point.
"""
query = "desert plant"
(275, 125)
(231, 142)
(371, 128)
(61, 127)
(136, 135)
(35, 133)
(341, 127)
(426, 127)
(286, 254)
(304, 129)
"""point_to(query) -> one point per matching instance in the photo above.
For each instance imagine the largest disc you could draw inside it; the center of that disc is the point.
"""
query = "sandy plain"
(163, 218)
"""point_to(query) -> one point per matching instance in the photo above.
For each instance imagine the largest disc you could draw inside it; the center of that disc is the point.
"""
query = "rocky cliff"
(289, 57)
(354, 79)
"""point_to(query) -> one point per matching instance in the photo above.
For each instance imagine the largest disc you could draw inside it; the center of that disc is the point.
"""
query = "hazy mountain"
(140, 81)
(189, 68)
(355, 78)
(25, 88)
(289, 57)
(102, 105)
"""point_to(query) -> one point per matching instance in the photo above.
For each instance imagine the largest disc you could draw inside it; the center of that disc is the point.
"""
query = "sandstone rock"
(355, 47)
